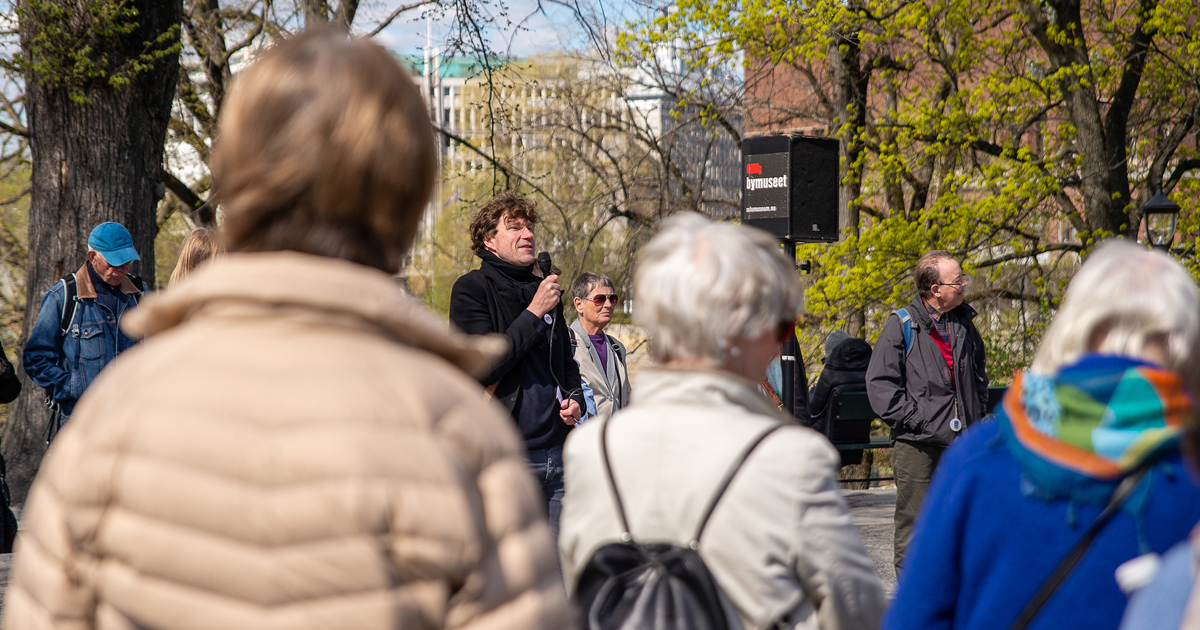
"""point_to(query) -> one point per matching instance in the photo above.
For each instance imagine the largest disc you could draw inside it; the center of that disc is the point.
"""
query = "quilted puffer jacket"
(296, 445)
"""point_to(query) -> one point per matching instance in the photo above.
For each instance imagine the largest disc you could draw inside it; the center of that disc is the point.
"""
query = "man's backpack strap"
(907, 326)
(626, 535)
(141, 288)
(71, 297)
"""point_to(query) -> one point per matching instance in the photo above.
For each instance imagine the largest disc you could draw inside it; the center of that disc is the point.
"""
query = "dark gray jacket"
(913, 394)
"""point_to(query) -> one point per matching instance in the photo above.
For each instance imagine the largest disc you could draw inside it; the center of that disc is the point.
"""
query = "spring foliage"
(1014, 133)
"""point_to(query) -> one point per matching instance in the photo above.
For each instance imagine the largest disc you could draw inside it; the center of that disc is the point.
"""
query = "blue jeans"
(547, 466)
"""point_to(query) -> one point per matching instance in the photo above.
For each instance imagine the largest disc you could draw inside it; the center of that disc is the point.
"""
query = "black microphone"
(543, 262)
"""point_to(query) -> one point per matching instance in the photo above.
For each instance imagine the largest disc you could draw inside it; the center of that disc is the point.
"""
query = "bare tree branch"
(1181, 169)
(15, 198)
(200, 210)
(1033, 253)
(389, 19)
(508, 172)
(14, 130)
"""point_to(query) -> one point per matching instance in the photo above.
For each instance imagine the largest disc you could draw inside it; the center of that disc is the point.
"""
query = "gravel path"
(872, 511)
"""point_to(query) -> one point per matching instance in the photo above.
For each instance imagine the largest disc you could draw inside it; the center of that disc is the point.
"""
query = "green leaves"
(990, 128)
(65, 46)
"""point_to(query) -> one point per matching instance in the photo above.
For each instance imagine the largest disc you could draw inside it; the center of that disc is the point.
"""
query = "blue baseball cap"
(113, 242)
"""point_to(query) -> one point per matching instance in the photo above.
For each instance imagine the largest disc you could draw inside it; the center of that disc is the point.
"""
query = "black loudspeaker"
(790, 187)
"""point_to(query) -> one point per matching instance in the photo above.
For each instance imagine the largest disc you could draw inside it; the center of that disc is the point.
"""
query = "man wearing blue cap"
(78, 328)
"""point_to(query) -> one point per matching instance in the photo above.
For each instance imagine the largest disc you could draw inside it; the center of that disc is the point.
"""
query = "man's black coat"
(912, 392)
(490, 300)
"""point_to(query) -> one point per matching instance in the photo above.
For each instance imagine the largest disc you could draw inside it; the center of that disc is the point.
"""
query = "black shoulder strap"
(71, 298)
(1064, 568)
(712, 505)
(616, 347)
(626, 535)
(69, 306)
(139, 285)
(612, 483)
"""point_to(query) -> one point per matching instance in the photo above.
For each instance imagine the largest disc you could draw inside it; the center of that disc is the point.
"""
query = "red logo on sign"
(754, 169)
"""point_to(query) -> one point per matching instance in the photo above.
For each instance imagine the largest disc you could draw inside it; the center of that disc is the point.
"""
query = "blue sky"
(523, 31)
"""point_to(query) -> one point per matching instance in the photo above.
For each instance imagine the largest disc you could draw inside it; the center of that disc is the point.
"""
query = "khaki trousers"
(913, 464)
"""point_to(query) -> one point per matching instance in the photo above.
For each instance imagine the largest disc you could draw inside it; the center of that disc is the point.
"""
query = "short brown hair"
(325, 147)
(201, 245)
(484, 225)
(928, 273)
(587, 281)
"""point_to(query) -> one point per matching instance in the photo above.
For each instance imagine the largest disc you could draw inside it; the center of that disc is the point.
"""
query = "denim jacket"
(64, 365)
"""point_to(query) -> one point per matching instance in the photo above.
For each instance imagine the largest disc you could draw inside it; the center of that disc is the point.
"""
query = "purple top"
(601, 344)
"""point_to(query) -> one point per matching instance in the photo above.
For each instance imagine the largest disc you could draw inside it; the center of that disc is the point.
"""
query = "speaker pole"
(790, 188)
(791, 348)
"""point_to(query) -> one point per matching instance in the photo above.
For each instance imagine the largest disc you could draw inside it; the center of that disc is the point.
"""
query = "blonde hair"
(325, 147)
(201, 245)
(702, 285)
(1124, 298)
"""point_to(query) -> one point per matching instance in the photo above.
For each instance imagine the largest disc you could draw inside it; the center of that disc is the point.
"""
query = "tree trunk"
(91, 163)
(1103, 202)
(851, 82)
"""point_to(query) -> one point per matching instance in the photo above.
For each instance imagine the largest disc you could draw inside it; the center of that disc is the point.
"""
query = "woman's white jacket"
(780, 543)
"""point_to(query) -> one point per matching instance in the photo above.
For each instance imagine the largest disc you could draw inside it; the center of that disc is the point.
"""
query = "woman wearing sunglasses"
(601, 356)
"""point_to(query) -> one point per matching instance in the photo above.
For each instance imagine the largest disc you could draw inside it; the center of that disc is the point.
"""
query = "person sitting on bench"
(846, 360)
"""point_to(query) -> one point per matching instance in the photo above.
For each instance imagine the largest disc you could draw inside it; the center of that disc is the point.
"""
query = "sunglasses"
(599, 300)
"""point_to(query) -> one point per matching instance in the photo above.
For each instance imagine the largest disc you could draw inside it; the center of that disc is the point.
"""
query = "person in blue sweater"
(1109, 390)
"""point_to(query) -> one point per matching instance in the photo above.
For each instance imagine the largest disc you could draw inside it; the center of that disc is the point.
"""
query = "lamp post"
(1160, 214)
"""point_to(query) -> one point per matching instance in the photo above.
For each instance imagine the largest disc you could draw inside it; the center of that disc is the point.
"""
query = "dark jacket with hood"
(914, 394)
(845, 365)
(490, 300)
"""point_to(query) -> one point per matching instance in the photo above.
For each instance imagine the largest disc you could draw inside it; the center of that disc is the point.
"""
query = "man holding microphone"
(537, 380)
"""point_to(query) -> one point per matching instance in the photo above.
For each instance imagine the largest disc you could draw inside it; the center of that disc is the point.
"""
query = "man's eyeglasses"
(598, 300)
(960, 283)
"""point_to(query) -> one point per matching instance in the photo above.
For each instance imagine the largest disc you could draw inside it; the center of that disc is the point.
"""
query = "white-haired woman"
(1105, 400)
(716, 300)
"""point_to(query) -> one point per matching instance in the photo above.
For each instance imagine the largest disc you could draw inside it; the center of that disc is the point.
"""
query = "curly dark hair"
(484, 225)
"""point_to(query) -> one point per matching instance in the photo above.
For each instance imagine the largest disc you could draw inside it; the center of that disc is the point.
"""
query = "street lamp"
(1161, 214)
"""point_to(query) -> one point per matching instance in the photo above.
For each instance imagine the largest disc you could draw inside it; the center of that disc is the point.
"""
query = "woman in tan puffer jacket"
(299, 445)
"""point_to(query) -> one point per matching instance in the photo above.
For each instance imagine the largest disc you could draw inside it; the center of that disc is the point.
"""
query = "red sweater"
(944, 346)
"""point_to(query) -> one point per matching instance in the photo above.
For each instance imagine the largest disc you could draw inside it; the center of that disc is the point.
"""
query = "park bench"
(848, 418)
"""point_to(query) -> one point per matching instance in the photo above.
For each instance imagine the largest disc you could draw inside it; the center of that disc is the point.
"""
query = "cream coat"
(610, 388)
(780, 543)
(296, 446)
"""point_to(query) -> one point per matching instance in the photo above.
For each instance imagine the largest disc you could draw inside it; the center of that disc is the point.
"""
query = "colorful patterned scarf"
(1076, 434)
